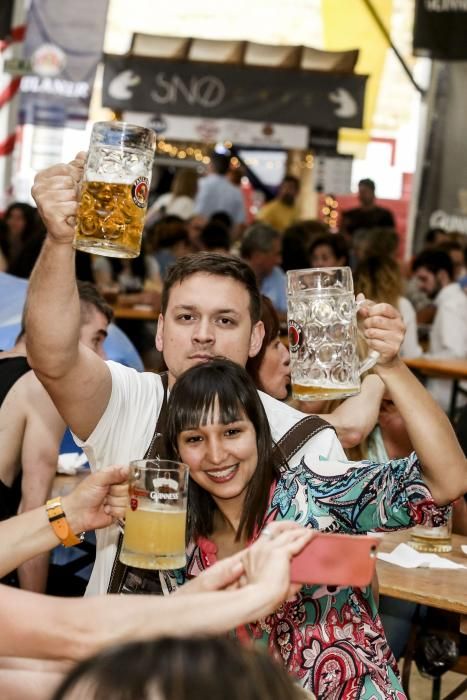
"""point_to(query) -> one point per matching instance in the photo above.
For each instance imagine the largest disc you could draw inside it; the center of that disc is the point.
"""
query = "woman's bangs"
(207, 402)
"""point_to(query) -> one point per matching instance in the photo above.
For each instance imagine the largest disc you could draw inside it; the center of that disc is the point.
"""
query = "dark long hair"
(226, 385)
(180, 669)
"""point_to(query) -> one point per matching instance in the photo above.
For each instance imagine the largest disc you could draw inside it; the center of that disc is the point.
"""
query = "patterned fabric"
(332, 639)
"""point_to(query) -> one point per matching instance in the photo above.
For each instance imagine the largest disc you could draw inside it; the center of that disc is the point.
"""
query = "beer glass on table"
(155, 518)
(322, 328)
(432, 539)
(115, 189)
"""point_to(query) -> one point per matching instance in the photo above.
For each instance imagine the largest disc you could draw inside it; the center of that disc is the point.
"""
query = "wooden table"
(454, 369)
(139, 312)
(445, 589)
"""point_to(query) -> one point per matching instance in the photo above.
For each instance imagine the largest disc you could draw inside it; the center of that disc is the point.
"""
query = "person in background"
(380, 279)
(261, 249)
(167, 241)
(379, 242)
(329, 251)
(435, 237)
(215, 238)
(434, 272)
(296, 242)
(181, 669)
(282, 212)
(180, 201)
(456, 252)
(194, 226)
(31, 428)
(217, 193)
(368, 215)
(21, 225)
(221, 217)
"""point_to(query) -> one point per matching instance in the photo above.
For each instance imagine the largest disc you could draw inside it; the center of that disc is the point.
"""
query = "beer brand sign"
(440, 29)
(222, 91)
(64, 46)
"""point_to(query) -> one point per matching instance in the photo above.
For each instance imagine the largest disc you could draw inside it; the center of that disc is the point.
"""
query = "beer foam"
(114, 178)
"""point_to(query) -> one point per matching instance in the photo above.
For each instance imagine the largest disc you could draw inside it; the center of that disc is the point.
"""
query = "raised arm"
(57, 629)
(78, 381)
(443, 463)
(356, 417)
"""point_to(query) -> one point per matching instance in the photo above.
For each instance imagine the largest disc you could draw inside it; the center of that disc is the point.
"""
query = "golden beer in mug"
(155, 518)
(432, 539)
(115, 189)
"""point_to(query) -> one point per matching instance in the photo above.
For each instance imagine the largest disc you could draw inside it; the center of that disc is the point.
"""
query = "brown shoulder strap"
(294, 439)
(156, 449)
(157, 446)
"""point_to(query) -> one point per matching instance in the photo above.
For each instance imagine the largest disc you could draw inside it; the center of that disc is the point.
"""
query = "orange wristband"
(59, 523)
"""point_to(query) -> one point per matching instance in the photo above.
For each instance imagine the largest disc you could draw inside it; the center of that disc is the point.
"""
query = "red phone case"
(336, 560)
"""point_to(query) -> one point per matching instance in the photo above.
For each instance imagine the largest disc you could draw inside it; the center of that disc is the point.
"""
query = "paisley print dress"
(331, 639)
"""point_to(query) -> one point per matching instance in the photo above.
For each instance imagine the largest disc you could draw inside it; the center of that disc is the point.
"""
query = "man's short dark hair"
(221, 217)
(294, 180)
(216, 264)
(335, 241)
(366, 182)
(432, 233)
(434, 260)
(220, 162)
(89, 297)
(258, 237)
(215, 235)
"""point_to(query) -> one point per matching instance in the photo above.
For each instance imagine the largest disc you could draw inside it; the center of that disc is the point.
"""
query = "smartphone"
(336, 560)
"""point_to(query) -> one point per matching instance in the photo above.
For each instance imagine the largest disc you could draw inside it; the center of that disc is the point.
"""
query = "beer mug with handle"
(155, 518)
(115, 189)
(322, 324)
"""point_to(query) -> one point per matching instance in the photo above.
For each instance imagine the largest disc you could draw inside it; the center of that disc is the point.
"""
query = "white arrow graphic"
(347, 104)
(119, 87)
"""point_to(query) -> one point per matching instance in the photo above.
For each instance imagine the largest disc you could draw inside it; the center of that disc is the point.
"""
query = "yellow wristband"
(59, 523)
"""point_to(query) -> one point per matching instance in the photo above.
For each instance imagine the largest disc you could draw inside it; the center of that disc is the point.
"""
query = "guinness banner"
(440, 29)
(222, 91)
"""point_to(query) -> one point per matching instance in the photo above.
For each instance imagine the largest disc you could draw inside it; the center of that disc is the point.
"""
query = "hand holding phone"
(336, 560)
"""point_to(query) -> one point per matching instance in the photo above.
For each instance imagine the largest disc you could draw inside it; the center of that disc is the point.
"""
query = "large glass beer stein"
(322, 323)
(155, 518)
(115, 189)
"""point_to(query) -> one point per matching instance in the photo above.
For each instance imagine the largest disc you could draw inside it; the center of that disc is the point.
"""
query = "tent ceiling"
(243, 53)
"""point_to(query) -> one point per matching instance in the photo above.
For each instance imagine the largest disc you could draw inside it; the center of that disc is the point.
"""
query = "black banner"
(196, 89)
(440, 29)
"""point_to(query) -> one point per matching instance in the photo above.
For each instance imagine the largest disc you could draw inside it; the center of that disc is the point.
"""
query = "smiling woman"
(240, 483)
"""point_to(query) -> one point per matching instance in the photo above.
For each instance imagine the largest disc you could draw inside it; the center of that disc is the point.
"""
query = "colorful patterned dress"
(332, 640)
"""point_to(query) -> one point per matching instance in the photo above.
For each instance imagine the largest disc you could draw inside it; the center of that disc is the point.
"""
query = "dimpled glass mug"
(322, 324)
(114, 190)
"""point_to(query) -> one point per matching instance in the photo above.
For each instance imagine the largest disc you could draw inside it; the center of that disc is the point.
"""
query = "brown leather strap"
(293, 440)
(156, 447)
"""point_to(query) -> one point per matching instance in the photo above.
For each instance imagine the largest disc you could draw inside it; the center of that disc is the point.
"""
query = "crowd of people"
(222, 407)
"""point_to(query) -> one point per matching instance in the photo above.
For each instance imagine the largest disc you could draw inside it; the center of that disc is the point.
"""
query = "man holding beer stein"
(210, 308)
